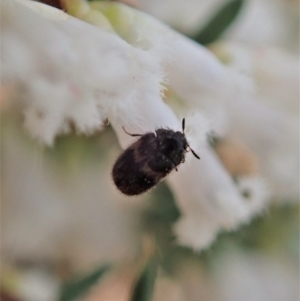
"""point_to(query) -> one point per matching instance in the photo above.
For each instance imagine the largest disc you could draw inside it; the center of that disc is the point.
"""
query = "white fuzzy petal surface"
(91, 75)
(210, 201)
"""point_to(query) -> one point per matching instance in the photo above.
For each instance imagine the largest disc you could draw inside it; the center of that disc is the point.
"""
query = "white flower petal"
(44, 113)
(103, 77)
(50, 215)
(273, 137)
(210, 201)
(255, 193)
(153, 114)
(197, 232)
(194, 71)
(275, 71)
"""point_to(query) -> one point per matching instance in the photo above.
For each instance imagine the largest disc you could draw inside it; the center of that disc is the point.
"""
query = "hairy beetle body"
(148, 160)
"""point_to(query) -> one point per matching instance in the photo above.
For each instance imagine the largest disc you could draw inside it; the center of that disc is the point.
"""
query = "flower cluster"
(121, 65)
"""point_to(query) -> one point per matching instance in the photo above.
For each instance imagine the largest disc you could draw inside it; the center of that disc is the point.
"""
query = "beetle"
(150, 159)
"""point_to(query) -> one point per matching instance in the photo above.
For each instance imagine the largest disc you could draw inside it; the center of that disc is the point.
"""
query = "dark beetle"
(148, 160)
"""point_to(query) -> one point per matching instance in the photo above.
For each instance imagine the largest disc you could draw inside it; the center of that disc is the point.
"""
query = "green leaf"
(219, 22)
(78, 287)
(144, 288)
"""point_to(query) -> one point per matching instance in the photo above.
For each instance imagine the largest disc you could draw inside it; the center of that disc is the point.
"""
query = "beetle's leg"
(194, 153)
(132, 135)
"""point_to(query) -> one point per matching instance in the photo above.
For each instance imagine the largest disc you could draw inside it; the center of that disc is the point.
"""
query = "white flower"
(204, 191)
(274, 107)
(275, 71)
(243, 101)
(272, 135)
(118, 73)
(210, 201)
(91, 75)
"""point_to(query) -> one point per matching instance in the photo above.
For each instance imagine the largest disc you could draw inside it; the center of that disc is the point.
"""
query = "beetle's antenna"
(194, 152)
(133, 135)
(183, 128)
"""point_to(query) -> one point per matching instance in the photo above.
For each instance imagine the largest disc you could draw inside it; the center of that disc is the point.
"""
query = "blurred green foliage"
(218, 23)
(75, 149)
(276, 232)
(78, 286)
(144, 287)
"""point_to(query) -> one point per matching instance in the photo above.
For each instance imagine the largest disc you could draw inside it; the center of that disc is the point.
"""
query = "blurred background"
(67, 234)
